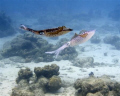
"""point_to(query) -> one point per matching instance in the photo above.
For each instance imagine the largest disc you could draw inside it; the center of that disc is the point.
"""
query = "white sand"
(68, 72)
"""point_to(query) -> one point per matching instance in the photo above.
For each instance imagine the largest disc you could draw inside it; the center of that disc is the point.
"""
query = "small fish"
(91, 74)
(49, 32)
(76, 40)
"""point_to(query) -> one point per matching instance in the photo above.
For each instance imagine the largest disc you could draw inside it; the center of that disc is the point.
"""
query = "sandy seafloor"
(68, 73)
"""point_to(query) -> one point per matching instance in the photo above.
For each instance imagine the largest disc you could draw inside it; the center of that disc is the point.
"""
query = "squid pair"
(75, 40)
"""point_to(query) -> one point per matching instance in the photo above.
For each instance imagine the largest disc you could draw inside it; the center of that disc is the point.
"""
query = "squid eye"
(41, 33)
(68, 43)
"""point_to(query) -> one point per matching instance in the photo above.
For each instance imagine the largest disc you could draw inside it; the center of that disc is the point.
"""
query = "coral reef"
(83, 62)
(93, 86)
(95, 39)
(24, 74)
(6, 28)
(54, 84)
(30, 47)
(46, 79)
(47, 71)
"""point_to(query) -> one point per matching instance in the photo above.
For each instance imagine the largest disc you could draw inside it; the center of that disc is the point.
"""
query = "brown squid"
(49, 32)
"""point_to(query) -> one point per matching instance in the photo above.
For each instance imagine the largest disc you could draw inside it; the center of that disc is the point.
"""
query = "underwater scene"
(59, 47)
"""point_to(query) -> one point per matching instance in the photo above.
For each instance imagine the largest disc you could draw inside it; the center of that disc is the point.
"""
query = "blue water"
(29, 50)
(53, 13)
(40, 6)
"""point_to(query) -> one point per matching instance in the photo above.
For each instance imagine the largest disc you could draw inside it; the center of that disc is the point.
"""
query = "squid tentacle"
(57, 52)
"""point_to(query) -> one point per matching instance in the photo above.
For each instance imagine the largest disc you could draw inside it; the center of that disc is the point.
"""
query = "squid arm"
(57, 52)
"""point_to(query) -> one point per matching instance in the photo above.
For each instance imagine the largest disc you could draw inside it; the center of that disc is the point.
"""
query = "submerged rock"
(47, 71)
(54, 84)
(24, 74)
(43, 82)
(33, 48)
(23, 83)
(31, 85)
(30, 47)
(39, 92)
(117, 89)
(93, 86)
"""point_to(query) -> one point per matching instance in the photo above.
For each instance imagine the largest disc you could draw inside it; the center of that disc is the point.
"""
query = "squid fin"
(75, 35)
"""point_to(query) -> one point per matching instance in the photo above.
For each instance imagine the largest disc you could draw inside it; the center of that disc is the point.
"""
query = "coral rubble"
(44, 80)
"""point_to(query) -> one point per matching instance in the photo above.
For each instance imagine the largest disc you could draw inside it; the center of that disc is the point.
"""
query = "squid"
(75, 40)
(49, 32)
